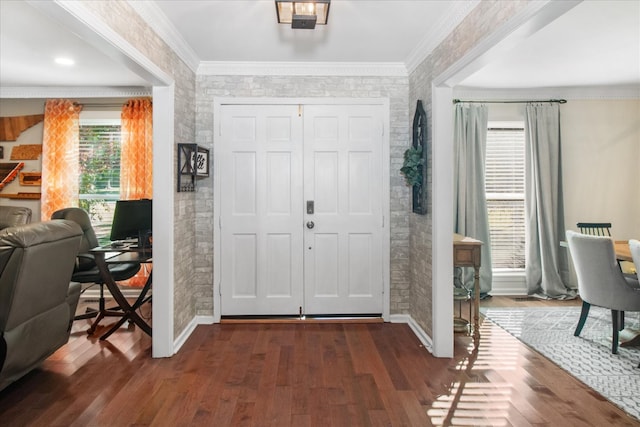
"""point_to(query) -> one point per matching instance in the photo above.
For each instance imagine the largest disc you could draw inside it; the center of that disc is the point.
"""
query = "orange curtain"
(60, 167)
(136, 162)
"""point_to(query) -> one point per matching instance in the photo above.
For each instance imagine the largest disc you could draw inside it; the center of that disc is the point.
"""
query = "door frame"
(219, 102)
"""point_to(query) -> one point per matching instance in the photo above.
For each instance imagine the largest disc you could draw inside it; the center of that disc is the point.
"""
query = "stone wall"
(393, 88)
(480, 23)
(127, 23)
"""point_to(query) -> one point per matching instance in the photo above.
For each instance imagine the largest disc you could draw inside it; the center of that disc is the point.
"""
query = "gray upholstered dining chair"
(634, 245)
(600, 281)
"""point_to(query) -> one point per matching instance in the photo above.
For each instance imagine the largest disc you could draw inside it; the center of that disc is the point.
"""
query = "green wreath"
(412, 166)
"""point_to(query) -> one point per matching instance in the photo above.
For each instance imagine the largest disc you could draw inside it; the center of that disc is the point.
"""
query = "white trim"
(436, 34)
(422, 336)
(508, 283)
(386, 210)
(94, 293)
(226, 68)
(74, 92)
(442, 222)
(186, 333)
(158, 21)
(218, 102)
(163, 222)
(585, 92)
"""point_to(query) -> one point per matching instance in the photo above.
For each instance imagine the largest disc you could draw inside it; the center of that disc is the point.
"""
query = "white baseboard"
(94, 293)
(186, 333)
(508, 284)
(422, 336)
(507, 291)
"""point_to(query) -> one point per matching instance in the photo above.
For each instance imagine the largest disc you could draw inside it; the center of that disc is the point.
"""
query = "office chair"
(86, 270)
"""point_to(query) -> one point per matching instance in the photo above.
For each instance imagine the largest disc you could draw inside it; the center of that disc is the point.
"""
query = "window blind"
(99, 174)
(505, 186)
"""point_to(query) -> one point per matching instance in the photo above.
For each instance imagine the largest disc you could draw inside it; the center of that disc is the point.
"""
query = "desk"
(466, 253)
(120, 255)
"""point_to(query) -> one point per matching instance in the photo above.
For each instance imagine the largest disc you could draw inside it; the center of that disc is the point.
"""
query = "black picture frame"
(186, 172)
(419, 199)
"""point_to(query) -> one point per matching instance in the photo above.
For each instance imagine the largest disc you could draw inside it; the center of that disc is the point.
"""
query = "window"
(505, 186)
(99, 155)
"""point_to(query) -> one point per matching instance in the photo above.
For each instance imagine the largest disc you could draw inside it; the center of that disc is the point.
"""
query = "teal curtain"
(469, 199)
(544, 210)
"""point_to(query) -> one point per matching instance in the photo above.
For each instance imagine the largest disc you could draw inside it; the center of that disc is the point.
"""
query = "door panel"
(260, 210)
(343, 175)
(271, 162)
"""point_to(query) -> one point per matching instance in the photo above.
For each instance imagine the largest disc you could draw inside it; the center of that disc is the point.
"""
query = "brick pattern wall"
(487, 16)
(394, 88)
(126, 22)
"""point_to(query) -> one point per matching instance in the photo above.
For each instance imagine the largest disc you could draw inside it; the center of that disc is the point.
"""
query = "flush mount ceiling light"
(303, 14)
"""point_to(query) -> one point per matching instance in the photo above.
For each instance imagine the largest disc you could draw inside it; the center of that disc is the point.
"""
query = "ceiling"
(595, 43)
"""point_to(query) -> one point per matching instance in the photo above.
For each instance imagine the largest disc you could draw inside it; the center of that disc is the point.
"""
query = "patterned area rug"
(588, 357)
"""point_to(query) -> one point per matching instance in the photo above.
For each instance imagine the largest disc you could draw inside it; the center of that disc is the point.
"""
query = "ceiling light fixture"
(303, 14)
(65, 61)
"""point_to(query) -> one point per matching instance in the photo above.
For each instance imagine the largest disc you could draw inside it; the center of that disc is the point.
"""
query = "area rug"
(588, 357)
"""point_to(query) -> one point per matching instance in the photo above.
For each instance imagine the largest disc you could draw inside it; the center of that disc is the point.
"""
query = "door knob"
(310, 225)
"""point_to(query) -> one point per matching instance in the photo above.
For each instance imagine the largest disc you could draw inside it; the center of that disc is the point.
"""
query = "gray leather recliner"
(10, 216)
(37, 300)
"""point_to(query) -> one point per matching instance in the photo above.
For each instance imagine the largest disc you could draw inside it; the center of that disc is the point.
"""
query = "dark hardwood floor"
(302, 374)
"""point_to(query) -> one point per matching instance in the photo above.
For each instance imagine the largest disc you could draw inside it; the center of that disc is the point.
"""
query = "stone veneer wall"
(483, 19)
(126, 22)
(394, 88)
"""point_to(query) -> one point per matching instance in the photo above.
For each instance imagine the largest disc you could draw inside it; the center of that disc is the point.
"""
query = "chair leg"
(615, 319)
(583, 318)
(621, 322)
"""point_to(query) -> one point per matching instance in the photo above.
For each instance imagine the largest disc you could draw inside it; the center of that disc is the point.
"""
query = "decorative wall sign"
(8, 172)
(193, 161)
(26, 152)
(200, 160)
(20, 195)
(30, 178)
(12, 127)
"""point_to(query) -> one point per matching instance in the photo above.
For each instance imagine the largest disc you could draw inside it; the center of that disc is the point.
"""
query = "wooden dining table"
(628, 337)
(623, 252)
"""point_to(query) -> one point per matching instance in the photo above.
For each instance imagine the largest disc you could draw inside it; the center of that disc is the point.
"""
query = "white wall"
(601, 164)
(600, 161)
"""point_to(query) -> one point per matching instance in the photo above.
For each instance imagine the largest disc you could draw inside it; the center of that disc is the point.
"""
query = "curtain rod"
(559, 101)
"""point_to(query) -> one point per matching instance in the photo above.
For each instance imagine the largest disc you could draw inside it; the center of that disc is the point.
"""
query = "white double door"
(301, 218)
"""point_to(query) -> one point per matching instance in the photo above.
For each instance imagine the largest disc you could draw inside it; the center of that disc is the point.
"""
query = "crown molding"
(436, 34)
(224, 68)
(158, 21)
(576, 93)
(74, 92)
